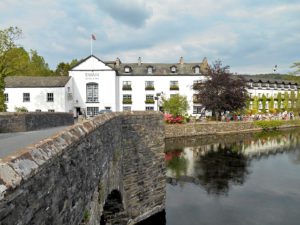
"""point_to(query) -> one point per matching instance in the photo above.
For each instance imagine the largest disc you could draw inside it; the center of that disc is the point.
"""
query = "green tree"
(293, 99)
(264, 103)
(176, 105)
(271, 106)
(279, 100)
(38, 66)
(296, 65)
(63, 68)
(7, 42)
(286, 101)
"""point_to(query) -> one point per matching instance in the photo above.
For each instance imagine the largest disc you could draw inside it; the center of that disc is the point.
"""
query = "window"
(259, 95)
(150, 70)
(197, 69)
(92, 111)
(197, 109)
(5, 97)
(149, 85)
(149, 108)
(92, 92)
(50, 97)
(195, 98)
(126, 86)
(69, 89)
(174, 85)
(51, 110)
(149, 99)
(127, 99)
(26, 97)
(173, 69)
(290, 104)
(38, 110)
(275, 105)
(251, 105)
(127, 69)
(126, 108)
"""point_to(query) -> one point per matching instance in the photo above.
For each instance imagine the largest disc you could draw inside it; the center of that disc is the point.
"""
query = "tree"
(222, 91)
(38, 66)
(7, 42)
(297, 66)
(177, 105)
(62, 68)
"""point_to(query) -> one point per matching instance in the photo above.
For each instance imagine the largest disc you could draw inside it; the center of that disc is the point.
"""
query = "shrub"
(21, 109)
(170, 119)
(269, 125)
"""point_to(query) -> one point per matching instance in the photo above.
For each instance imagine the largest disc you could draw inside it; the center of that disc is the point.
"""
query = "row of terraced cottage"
(94, 86)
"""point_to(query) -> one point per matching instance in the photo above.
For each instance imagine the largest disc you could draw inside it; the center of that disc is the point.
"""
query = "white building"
(94, 85)
(36, 94)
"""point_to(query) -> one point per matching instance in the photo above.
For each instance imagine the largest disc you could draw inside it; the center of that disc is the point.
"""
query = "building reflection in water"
(218, 165)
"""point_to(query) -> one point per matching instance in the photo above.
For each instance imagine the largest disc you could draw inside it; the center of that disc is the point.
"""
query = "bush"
(171, 120)
(269, 124)
(21, 109)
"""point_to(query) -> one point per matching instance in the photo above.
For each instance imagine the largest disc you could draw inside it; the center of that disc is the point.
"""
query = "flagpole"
(91, 45)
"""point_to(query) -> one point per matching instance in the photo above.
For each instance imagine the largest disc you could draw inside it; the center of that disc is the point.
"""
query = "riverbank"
(208, 128)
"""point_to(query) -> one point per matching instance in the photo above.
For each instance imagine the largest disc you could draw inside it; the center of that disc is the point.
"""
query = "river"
(239, 179)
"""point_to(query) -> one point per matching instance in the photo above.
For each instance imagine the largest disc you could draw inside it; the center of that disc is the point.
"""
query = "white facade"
(96, 85)
(40, 99)
(103, 78)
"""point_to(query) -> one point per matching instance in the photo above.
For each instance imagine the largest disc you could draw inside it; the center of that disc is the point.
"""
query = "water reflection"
(218, 163)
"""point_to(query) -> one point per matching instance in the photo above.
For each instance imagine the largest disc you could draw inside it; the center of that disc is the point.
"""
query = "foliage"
(63, 68)
(269, 124)
(176, 105)
(149, 101)
(170, 119)
(21, 109)
(86, 216)
(279, 102)
(264, 103)
(221, 92)
(286, 101)
(7, 42)
(178, 165)
(297, 66)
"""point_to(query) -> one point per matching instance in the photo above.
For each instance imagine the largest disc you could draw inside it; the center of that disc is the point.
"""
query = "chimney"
(118, 62)
(139, 61)
(181, 60)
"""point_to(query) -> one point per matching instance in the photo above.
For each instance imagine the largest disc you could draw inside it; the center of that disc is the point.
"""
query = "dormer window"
(150, 70)
(197, 69)
(173, 69)
(127, 69)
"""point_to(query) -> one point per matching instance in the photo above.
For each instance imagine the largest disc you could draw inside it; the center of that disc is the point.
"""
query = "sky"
(251, 36)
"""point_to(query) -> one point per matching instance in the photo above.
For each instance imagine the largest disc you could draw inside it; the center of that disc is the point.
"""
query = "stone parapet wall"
(18, 122)
(67, 177)
(195, 129)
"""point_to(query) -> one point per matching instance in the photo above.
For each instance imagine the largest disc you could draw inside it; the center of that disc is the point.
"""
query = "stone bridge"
(109, 170)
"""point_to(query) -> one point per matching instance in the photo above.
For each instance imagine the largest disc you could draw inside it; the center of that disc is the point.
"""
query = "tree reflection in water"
(218, 169)
(176, 162)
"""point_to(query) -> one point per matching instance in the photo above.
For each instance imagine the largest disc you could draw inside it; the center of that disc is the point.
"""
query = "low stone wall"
(18, 122)
(196, 129)
(65, 179)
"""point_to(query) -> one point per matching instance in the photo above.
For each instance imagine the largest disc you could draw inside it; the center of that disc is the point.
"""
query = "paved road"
(11, 142)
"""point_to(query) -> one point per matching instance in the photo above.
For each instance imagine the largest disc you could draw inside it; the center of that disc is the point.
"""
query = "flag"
(94, 37)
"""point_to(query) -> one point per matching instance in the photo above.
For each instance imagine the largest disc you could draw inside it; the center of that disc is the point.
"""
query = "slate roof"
(159, 69)
(264, 80)
(34, 81)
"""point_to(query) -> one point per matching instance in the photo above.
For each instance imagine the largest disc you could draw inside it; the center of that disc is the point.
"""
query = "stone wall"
(65, 180)
(195, 129)
(17, 122)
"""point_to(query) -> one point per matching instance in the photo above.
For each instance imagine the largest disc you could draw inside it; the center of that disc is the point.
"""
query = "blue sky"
(250, 36)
